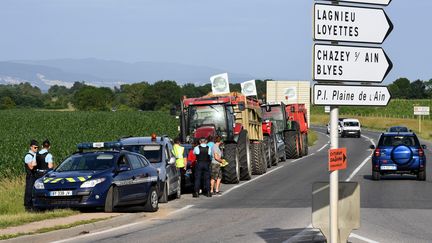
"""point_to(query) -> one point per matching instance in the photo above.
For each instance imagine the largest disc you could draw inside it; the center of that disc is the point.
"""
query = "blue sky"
(264, 38)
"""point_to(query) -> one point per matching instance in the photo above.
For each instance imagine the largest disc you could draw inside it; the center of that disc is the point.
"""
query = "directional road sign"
(350, 63)
(378, 2)
(350, 95)
(337, 159)
(421, 110)
(352, 24)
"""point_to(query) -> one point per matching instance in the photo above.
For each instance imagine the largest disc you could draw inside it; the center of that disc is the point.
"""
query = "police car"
(99, 175)
(158, 150)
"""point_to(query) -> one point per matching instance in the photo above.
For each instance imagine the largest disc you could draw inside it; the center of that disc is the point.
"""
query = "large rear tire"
(258, 167)
(304, 147)
(306, 144)
(421, 175)
(275, 150)
(244, 156)
(291, 144)
(376, 175)
(267, 150)
(264, 157)
(231, 172)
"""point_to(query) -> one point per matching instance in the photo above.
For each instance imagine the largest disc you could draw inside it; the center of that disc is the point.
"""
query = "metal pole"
(419, 123)
(334, 177)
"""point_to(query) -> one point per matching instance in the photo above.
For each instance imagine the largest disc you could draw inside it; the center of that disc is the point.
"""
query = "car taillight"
(421, 152)
(377, 152)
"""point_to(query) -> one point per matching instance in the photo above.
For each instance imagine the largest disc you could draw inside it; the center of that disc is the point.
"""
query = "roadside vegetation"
(12, 211)
(382, 123)
(312, 137)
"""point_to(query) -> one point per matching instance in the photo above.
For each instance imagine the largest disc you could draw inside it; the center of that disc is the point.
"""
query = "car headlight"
(92, 183)
(39, 185)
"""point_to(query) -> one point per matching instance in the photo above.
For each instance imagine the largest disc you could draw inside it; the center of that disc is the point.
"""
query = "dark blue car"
(399, 153)
(104, 177)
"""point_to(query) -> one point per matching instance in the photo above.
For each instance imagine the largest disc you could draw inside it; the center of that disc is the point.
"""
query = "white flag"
(220, 84)
(248, 88)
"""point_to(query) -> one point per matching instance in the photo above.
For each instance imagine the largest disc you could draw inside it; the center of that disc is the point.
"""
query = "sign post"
(334, 64)
(421, 111)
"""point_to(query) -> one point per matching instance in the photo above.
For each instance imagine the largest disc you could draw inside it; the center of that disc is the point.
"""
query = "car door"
(141, 178)
(124, 180)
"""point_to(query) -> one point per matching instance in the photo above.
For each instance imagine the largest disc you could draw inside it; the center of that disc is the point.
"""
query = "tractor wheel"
(291, 144)
(244, 156)
(256, 159)
(264, 159)
(305, 144)
(231, 172)
(267, 150)
(274, 150)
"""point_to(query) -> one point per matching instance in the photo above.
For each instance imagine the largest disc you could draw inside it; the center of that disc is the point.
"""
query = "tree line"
(161, 95)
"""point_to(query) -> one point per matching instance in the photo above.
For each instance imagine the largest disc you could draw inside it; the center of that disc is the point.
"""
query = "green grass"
(12, 211)
(66, 129)
(397, 108)
(49, 229)
(312, 137)
(381, 124)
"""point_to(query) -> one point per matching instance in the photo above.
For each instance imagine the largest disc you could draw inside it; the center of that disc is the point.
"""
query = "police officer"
(202, 169)
(30, 168)
(44, 160)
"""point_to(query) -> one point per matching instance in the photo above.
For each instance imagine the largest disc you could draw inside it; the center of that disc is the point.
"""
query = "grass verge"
(44, 230)
(12, 211)
(312, 137)
(380, 123)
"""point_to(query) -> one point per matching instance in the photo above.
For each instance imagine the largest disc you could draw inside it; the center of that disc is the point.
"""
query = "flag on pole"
(248, 88)
(220, 84)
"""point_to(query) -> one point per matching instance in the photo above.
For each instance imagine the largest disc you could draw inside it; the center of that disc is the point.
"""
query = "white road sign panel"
(378, 2)
(352, 24)
(350, 63)
(351, 95)
(421, 110)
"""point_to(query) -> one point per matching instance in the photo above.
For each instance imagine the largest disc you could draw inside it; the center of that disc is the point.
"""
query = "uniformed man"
(44, 160)
(30, 167)
(202, 169)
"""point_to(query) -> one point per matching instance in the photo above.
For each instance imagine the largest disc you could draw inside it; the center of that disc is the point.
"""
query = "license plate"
(60, 193)
(388, 167)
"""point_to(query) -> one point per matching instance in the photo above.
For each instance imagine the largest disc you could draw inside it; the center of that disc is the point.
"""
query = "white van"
(351, 127)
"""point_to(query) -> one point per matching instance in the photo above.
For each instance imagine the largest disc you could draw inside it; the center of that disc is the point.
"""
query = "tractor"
(237, 120)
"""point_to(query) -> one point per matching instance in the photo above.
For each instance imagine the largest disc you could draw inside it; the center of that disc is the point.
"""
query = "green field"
(66, 129)
(397, 108)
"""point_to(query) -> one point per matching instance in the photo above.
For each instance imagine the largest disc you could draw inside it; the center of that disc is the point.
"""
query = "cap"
(34, 143)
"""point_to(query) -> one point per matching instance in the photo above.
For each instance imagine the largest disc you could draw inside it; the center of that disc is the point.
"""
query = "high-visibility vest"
(178, 153)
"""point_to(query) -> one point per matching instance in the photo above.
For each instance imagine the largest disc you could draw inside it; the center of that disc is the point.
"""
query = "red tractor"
(237, 119)
(285, 130)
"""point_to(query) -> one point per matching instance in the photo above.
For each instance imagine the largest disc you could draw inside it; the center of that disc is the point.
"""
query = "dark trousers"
(30, 179)
(202, 171)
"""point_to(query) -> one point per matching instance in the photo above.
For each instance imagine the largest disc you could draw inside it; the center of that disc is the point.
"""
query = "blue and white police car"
(99, 175)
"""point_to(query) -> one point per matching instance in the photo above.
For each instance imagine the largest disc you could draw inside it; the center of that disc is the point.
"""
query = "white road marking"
(363, 238)
(98, 233)
(325, 145)
(298, 235)
(181, 209)
(303, 232)
(117, 228)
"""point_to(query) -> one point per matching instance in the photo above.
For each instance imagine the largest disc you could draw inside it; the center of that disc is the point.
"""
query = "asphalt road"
(276, 207)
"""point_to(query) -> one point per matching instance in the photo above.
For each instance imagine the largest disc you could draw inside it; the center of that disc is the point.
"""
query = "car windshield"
(207, 115)
(275, 115)
(351, 124)
(90, 162)
(398, 129)
(153, 152)
(399, 140)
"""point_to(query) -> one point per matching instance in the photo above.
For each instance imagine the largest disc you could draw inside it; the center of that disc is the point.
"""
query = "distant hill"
(44, 73)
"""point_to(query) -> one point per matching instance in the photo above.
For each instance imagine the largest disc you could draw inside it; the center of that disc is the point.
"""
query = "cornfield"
(66, 129)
